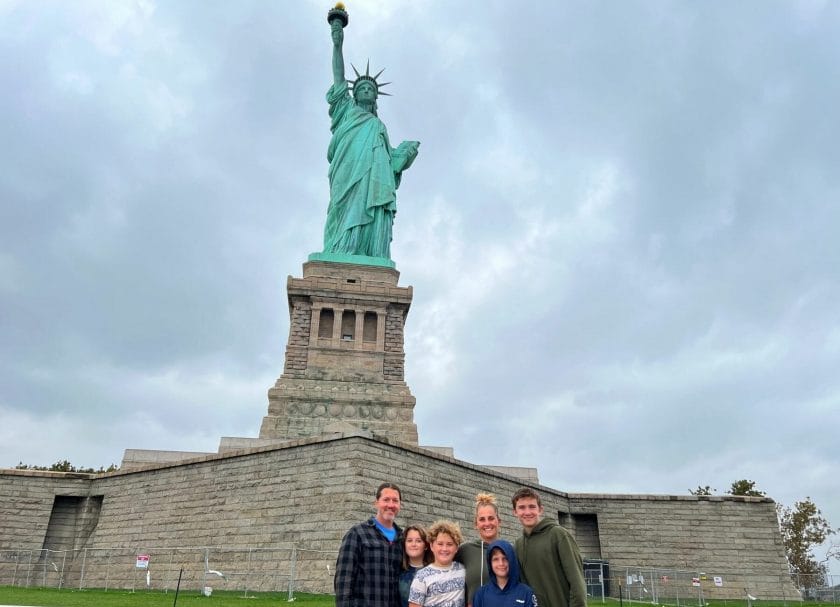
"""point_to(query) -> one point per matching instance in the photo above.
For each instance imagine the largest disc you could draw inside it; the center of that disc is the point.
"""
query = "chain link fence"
(820, 588)
(662, 586)
(282, 569)
(291, 569)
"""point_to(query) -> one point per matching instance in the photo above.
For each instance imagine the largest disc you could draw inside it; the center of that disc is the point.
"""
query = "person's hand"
(337, 32)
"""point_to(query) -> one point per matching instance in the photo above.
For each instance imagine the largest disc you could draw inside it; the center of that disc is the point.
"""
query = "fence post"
(107, 570)
(641, 585)
(28, 568)
(247, 574)
(166, 584)
(82, 575)
(654, 588)
(784, 594)
(206, 567)
(601, 579)
(61, 575)
(291, 596)
(621, 587)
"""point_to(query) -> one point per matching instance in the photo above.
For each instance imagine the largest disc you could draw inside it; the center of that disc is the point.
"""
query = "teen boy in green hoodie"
(548, 555)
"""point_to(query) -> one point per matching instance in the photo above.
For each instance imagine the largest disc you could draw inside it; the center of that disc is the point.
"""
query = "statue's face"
(365, 92)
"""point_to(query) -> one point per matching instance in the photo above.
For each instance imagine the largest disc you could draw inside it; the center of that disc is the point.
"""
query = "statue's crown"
(366, 77)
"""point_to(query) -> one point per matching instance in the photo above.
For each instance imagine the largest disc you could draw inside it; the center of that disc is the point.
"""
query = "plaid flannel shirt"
(368, 568)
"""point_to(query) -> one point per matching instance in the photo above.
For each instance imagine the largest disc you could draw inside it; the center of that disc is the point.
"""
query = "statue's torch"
(338, 12)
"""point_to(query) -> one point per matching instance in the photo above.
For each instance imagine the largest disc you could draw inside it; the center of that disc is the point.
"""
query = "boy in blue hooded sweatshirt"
(504, 588)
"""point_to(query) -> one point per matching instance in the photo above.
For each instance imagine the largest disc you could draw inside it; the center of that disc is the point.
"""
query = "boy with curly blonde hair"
(442, 583)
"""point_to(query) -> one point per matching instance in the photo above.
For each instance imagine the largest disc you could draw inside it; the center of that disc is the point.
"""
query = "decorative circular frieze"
(304, 408)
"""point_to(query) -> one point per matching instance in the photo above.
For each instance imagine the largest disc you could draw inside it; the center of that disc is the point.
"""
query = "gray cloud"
(620, 230)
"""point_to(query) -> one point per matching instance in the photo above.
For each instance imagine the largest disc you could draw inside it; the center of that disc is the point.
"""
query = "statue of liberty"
(365, 170)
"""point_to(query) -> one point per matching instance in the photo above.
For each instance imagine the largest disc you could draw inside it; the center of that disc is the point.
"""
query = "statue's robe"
(364, 175)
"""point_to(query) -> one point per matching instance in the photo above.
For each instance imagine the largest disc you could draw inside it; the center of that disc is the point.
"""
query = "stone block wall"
(394, 362)
(26, 502)
(265, 497)
(735, 538)
(300, 311)
(345, 358)
(307, 493)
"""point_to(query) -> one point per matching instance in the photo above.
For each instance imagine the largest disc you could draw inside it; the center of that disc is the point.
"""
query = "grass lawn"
(50, 597)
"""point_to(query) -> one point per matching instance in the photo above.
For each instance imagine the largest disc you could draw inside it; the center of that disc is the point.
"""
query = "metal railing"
(245, 569)
(291, 569)
(664, 586)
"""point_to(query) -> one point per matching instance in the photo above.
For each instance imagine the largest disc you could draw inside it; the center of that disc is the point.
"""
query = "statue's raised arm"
(338, 53)
(365, 170)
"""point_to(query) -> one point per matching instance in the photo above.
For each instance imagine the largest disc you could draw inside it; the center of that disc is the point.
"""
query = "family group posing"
(381, 565)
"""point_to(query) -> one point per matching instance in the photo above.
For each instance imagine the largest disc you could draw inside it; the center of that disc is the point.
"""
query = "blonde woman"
(473, 554)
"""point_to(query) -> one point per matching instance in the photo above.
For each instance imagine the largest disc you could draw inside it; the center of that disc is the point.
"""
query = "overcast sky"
(621, 230)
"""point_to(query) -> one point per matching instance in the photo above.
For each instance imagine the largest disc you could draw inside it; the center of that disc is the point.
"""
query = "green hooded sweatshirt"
(550, 562)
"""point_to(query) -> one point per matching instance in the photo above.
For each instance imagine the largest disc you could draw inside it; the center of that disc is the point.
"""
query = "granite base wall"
(307, 493)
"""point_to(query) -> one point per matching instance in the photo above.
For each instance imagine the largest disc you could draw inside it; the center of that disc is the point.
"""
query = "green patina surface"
(365, 171)
(364, 260)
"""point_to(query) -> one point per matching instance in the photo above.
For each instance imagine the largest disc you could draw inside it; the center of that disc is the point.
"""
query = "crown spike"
(368, 78)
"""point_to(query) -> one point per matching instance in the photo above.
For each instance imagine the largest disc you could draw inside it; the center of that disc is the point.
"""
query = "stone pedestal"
(345, 358)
